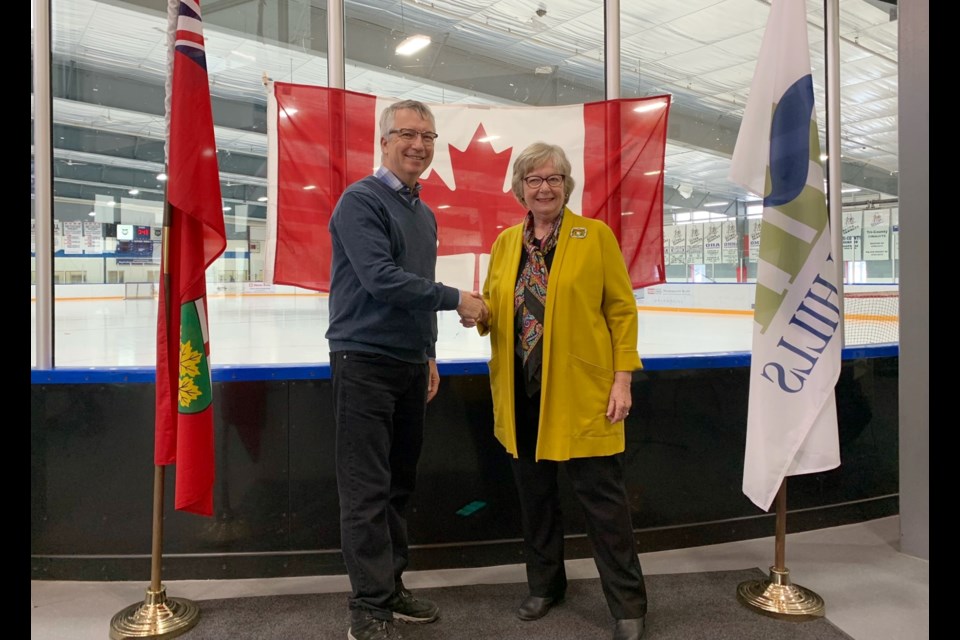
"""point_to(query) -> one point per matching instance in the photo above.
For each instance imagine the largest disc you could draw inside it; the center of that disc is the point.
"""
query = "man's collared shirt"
(391, 180)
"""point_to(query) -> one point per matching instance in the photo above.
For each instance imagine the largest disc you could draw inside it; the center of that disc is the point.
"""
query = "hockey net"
(871, 317)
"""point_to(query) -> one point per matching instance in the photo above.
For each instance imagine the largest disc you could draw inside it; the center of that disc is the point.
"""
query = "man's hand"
(433, 384)
(472, 309)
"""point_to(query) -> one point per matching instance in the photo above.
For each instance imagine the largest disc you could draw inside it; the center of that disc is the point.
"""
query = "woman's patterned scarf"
(530, 299)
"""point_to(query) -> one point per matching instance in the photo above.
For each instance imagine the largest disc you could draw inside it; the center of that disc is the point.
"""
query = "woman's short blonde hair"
(537, 155)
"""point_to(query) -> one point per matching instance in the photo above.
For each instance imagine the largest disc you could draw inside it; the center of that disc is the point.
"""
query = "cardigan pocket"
(593, 385)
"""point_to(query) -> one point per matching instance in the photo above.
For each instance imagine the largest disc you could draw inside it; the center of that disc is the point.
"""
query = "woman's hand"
(618, 407)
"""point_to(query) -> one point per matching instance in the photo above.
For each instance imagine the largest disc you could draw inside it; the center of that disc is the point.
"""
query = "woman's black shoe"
(535, 607)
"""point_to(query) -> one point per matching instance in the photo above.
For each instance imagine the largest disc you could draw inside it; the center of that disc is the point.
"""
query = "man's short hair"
(389, 114)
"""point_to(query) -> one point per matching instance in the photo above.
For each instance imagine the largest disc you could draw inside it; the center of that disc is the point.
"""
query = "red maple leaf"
(472, 215)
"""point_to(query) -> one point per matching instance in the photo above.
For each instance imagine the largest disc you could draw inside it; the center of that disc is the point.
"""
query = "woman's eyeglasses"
(535, 181)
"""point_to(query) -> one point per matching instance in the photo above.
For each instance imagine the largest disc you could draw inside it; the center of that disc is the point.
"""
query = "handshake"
(472, 309)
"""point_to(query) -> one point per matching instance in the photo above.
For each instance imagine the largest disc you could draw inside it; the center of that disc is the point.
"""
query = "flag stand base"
(156, 617)
(778, 598)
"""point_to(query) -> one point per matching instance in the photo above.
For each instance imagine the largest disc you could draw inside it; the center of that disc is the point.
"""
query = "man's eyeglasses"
(409, 135)
(534, 182)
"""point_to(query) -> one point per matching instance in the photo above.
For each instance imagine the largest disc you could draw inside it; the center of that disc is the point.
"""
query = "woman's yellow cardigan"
(590, 331)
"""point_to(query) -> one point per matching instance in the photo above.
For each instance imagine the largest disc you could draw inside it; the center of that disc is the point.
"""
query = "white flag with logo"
(795, 363)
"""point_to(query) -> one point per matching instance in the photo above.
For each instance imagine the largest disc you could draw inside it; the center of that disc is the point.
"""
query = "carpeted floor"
(688, 606)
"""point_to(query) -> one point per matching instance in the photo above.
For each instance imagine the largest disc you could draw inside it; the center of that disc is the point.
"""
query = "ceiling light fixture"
(412, 44)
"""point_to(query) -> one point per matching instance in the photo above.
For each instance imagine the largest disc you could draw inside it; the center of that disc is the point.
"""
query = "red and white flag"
(193, 237)
(322, 139)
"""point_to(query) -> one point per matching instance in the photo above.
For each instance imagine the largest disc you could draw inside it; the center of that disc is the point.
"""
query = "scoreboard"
(135, 244)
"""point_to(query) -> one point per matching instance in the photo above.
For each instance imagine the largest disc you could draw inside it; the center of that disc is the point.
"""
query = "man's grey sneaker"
(367, 627)
(407, 608)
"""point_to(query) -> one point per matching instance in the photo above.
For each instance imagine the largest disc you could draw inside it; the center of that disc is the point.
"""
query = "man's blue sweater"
(383, 297)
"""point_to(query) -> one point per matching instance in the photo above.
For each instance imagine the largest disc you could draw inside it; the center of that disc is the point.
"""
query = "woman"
(562, 322)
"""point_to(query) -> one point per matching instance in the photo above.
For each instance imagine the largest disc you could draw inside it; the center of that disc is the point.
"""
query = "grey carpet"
(688, 606)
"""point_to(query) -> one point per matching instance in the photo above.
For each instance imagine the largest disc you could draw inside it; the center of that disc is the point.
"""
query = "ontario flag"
(322, 139)
(193, 237)
(796, 357)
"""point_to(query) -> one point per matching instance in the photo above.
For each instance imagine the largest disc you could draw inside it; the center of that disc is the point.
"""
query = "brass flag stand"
(777, 596)
(157, 616)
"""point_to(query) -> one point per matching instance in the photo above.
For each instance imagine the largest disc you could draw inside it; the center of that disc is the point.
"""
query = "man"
(382, 337)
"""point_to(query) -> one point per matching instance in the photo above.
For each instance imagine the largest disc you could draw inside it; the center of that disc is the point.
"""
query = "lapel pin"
(578, 232)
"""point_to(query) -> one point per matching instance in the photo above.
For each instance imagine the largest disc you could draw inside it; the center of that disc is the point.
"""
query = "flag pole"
(157, 616)
(777, 596)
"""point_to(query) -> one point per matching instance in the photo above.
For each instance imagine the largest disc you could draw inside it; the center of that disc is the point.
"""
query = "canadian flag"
(321, 139)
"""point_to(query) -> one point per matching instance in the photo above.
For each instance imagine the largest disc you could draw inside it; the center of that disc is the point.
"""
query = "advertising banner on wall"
(731, 243)
(876, 235)
(712, 242)
(92, 237)
(852, 235)
(695, 243)
(57, 235)
(755, 239)
(72, 237)
(676, 240)
(895, 233)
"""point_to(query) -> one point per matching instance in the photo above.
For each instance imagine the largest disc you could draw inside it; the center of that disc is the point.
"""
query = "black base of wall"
(448, 556)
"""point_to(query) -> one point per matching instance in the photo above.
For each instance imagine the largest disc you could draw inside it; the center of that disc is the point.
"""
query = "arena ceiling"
(109, 61)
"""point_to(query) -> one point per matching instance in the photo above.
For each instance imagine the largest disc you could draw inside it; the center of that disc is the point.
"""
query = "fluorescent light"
(412, 45)
(262, 199)
(716, 204)
(850, 190)
(161, 177)
(133, 192)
